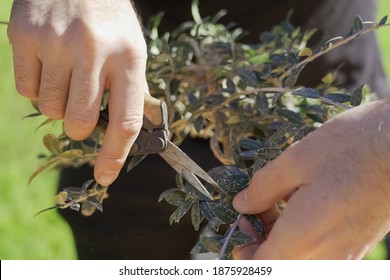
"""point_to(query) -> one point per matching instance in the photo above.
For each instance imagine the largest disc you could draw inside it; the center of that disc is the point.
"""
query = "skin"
(66, 53)
(337, 184)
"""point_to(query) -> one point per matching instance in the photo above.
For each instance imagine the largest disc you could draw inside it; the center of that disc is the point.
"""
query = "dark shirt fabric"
(134, 225)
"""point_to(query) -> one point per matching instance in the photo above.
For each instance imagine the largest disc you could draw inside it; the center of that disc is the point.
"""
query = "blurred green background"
(48, 236)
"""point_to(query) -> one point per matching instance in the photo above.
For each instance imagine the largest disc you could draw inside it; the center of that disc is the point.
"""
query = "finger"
(54, 86)
(245, 252)
(271, 183)
(127, 87)
(27, 70)
(84, 100)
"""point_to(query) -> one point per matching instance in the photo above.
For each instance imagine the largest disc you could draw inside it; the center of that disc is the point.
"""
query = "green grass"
(48, 236)
(22, 236)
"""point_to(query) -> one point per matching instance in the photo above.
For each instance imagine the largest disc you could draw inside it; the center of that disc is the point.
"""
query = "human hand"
(66, 53)
(337, 183)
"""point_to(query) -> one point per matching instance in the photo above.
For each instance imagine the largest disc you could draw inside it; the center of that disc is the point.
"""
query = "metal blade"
(186, 167)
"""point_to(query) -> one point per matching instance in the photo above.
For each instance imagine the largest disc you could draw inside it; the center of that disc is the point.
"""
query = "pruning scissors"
(153, 139)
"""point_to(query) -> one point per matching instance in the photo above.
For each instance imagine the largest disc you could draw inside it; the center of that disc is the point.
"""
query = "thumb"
(271, 183)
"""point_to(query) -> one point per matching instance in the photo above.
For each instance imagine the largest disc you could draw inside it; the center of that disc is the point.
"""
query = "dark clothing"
(134, 225)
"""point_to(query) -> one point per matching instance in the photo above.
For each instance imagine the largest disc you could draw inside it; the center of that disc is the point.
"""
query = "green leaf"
(337, 97)
(196, 216)
(357, 24)
(262, 103)
(175, 198)
(250, 144)
(180, 211)
(308, 93)
(383, 21)
(247, 76)
(290, 115)
(257, 224)
(166, 193)
(223, 213)
(47, 121)
(215, 223)
(210, 244)
(134, 161)
(357, 95)
(241, 238)
(288, 27)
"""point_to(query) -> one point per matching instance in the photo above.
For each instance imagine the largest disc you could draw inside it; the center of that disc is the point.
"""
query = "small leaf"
(91, 183)
(166, 193)
(337, 97)
(262, 103)
(210, 244)
(382, 21)
(196, 216)
(328, 78)
(193, 99)
(288, 26)
(308, 93)
(247, 76)
(180, 211)
(42, 168)
(51, 143)
(47, 121)
(134, 161)
(206, 210)
(32, 115)
(61, 198)
(241, 238)
(357, 24)
(357, 95)
(305, 52)
(223, 213)
(290, 115)
(198, 123)
(257, 224)
(75, 207)
(250, 144)
(175, 198)
(230, 86)
(215, 223)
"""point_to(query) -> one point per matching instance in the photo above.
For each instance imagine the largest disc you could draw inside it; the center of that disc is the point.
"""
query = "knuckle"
(25, 89)
(79, 120)
(128, 127)
(50, 110)
(113, 162)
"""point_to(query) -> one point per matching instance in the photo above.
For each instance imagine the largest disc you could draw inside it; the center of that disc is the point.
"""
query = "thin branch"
(4, 22)
(231, 231)
(332, 46)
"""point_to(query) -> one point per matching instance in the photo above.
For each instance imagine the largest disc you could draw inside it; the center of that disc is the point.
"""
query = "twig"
(229, 236)
(331, 47)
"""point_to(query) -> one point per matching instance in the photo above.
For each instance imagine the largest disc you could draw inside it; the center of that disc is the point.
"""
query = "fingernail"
(106, 179)
(240, 200)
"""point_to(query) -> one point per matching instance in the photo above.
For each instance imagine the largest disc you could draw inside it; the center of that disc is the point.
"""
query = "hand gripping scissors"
(153, 139)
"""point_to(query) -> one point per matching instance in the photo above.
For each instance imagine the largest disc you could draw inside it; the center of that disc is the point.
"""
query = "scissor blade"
(186, 167)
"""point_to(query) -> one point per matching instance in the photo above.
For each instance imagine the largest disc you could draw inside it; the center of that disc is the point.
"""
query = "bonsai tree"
(243, 98)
